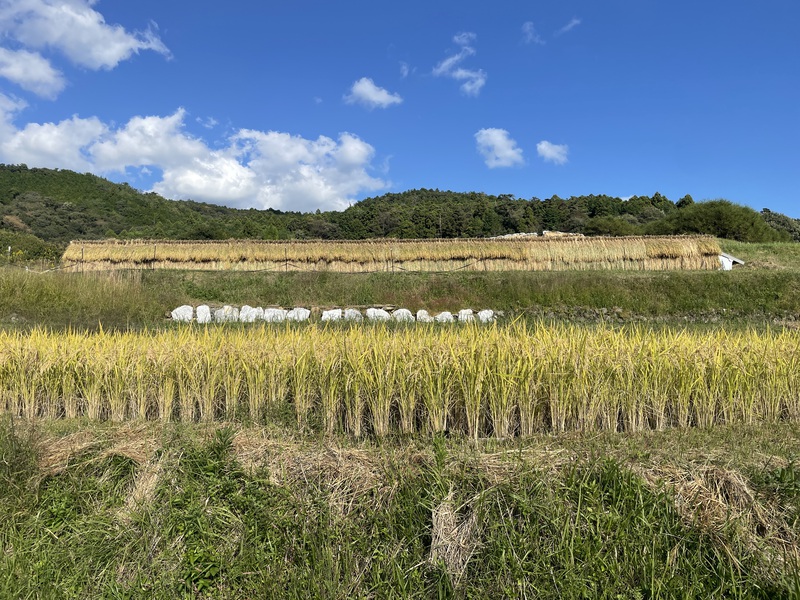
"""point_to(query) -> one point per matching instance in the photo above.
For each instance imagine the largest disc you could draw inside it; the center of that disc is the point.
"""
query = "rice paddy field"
(650, 452)
(473, 380)
(504, 254)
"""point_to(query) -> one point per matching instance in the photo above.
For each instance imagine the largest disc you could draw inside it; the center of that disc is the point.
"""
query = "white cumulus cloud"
(31, 71)
(498, 148)
(66, 145)
(70, 27)
(472, 79)
(364, 91)
(250, 169)
(151, 140)
(295, 173)
(9, 107)
(554, 153)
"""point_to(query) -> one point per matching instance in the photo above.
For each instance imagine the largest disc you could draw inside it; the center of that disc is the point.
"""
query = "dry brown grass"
(720, 501)
(136, 441)
(343, 473)
(454, 536)
(531, 254)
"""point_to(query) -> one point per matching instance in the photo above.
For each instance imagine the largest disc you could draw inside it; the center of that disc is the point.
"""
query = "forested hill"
(54, 206)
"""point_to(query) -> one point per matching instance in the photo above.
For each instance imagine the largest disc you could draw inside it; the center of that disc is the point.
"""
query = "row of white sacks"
(249, 314)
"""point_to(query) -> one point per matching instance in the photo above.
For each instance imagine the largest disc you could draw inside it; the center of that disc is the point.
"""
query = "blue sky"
(310, 104)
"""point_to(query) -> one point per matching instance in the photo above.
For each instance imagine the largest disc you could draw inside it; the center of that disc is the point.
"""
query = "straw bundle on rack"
(503, 254)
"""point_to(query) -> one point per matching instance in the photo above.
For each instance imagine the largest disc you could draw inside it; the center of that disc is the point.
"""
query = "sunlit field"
(477, 380)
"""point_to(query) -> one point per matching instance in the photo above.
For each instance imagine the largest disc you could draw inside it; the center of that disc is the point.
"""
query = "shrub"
(719, 218)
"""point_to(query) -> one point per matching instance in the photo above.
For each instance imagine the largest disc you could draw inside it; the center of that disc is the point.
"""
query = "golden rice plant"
(90, 377)
(406, 379)
(469, 363)
(256, 370)
(235, 352)
(166, 377)
(504, 380)
(784, 359)
(378, 376)
(531, 403)
(141, 385)
(436, 386)
(563, 358)
(656, 394)
(189, 376)
(303, 373)
(353, 353)
(331, 379)
(116, 380)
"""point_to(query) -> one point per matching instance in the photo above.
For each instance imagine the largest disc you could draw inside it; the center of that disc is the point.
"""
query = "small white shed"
(727, 261)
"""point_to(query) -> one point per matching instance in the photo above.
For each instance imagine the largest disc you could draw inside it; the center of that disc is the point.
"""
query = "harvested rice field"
(509, 254)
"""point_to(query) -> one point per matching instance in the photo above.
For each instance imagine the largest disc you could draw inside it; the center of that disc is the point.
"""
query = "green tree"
(719, 218)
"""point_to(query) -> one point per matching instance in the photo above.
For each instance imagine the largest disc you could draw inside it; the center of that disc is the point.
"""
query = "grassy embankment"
(767, 288)
(169, 510)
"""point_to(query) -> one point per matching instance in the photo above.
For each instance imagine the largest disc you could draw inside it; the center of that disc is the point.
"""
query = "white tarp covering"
(332, 315)
(486, 316)
(466, 316)
(351, 314)
(248, 314)
(203, 314)
(377, 314)
(275, 315)
(298, 314)
(226, 314)
(183, 313)
(403, 315)
(423, 316)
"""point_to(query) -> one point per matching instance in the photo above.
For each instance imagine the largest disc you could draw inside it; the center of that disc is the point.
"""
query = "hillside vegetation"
(57, 206)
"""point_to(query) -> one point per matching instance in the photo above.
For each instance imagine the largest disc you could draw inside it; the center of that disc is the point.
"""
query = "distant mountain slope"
(57, 206)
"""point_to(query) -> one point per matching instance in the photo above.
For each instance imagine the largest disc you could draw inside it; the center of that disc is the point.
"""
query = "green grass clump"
(83, 301)
(166, 511)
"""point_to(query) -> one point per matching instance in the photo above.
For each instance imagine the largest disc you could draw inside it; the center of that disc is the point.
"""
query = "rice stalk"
(302, 379)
